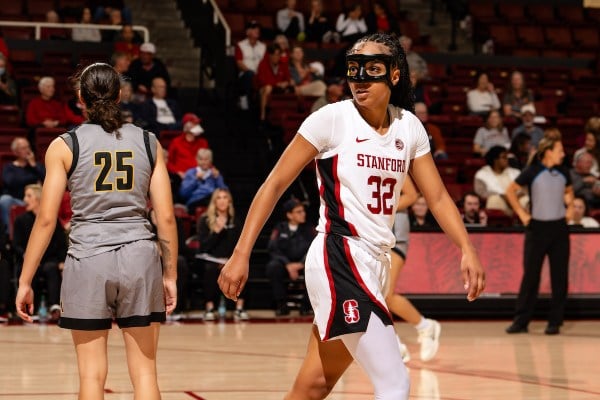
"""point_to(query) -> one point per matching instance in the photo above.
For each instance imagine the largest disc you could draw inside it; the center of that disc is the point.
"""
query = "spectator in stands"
(45, 111)
(128, 41)
(159, 112)
(420, 90)
(54, 33)
(585, 184)
(288, 244)
(592, 144)
(23, 171)
(493, 133)
(436, 140)
(52, 262)
(516, 95)
(103, 8)
(380, 19)
(86, 34)
(75, 112)
(290, 21)
(416, 63)
(492, 180)
(482, 99)
(8, 86)
(579, 215)
(333, 94)
(284, 45)
(350, 24)
(527, 126)
(115, 19)
(308, 78)
(318, 27)
(218, 232)
(183, 150)
(273, 76)
(472, 213)
(520, 151)
(200, 182)
(121, 63)
(130, 110)
(420, 216)
(248, 55)
(3, 47)
(6, 273)
(147, 67)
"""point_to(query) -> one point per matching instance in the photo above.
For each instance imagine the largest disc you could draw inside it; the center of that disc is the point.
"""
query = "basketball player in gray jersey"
(113, 269)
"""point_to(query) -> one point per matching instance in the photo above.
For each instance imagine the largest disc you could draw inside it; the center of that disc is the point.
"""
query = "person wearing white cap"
(147, 67)
(527, 126)
(183, 150)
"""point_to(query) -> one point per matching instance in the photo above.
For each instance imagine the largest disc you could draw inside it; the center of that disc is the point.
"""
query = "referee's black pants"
(544, 238)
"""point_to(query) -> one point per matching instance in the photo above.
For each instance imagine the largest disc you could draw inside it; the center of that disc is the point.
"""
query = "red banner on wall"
(433, 264)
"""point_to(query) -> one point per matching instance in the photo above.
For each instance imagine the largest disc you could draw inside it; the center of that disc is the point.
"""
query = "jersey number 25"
(105, 160)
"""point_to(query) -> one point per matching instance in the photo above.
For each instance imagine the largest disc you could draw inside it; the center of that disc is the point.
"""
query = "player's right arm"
(58, 157)
(234, 274)
(166, 227)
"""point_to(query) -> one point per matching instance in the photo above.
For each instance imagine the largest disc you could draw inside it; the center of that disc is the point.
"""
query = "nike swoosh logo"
(361, 140)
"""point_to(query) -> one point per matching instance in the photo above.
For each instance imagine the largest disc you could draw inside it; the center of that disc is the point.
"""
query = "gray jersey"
(109, 183)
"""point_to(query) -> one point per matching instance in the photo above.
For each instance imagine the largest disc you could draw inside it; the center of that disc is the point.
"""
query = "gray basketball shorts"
(124, 284)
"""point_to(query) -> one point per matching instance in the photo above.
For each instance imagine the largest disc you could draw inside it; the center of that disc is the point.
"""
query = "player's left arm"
(427, 178)
(569, 197)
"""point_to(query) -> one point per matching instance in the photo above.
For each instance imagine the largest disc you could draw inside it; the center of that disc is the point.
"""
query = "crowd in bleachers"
(484, 121)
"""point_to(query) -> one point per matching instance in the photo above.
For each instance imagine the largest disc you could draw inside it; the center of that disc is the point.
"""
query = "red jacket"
(266, 76)
(39, 110)
(182, 154)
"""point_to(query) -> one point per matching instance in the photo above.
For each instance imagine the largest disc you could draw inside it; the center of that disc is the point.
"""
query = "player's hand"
(24, 302)
(233, 276)
(170, 293)
(473, 274)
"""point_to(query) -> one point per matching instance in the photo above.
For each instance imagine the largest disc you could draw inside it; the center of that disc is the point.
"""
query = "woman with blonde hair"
(218, 232)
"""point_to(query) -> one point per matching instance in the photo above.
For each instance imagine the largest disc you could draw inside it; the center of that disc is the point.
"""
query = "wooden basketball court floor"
(258, 360)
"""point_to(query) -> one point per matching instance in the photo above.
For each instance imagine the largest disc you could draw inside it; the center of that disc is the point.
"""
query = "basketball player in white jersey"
(364, 148)
(113, 268)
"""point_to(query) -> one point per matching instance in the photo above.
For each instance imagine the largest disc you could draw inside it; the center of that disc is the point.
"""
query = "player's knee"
(397, 387)
(316, 389)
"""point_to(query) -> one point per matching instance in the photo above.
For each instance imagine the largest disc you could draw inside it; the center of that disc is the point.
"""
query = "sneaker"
(430, 340)
(403, 350)
(209, 315)
(516, 328)
(241, 315)
(552, 330)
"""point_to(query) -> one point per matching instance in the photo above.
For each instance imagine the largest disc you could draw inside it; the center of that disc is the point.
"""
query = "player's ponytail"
(100, 88)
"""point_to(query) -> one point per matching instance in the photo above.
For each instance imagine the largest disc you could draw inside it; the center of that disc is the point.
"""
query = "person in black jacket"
(53, 260)
(288, 245)
(218, 231)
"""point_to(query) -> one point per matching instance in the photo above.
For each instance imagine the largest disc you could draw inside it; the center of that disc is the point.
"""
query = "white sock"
(423, 324)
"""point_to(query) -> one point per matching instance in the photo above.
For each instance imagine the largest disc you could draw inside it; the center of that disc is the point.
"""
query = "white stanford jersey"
(360, 173)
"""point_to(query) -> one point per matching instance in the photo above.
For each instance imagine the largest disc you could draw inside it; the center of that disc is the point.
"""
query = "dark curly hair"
(403, 94)
(100, 86)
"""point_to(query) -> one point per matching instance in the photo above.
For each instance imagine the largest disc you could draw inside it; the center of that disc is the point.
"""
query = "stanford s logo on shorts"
(351, 313)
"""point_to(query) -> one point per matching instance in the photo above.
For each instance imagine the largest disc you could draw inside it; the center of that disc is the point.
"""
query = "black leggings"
(544, 238)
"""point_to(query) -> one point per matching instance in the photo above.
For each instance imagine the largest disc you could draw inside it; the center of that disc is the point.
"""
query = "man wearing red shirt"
(183, 149)
(44, 110)
(273, 76)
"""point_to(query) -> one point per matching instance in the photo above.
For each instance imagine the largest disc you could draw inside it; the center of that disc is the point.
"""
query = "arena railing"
(37, 26)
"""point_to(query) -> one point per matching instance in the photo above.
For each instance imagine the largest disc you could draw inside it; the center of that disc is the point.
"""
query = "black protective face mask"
(369, 68)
